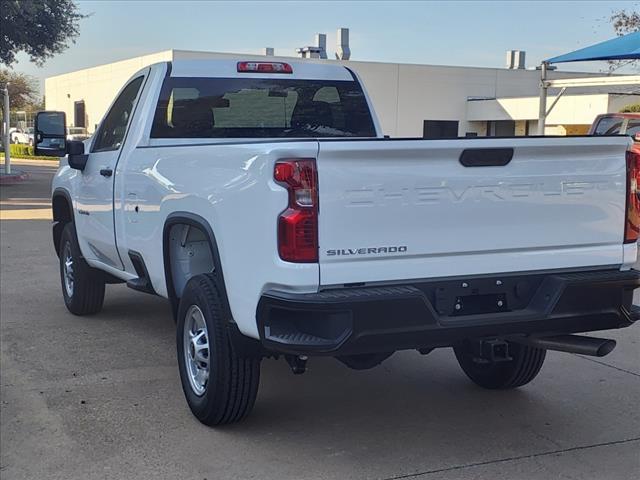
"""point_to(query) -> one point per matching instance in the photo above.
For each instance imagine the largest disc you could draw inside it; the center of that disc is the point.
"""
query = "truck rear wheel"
(219, 383)
(524, 366)
(82, 286)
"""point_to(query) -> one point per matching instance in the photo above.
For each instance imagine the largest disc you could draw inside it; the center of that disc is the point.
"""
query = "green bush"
(21, 149)
(24, 151)
(631, 108)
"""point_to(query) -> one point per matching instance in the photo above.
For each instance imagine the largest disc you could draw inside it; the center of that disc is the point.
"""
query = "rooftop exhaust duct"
(319, 50)
(516, 59)
(321, 43)
(343, 52)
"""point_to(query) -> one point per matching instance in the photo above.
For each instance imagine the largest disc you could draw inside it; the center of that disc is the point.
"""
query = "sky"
(475, 33)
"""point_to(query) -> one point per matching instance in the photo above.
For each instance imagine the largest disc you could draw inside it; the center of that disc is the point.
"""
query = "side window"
(609, 126)
(114, 125)
(633, 127)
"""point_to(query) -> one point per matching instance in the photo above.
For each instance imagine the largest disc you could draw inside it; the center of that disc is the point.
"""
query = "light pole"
(6, 141)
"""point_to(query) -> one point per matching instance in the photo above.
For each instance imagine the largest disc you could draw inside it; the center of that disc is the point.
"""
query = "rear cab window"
(196, 107)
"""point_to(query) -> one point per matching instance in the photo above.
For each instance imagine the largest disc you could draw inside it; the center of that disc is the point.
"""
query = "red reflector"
(298, 224)
(632, 221)
(264, 67)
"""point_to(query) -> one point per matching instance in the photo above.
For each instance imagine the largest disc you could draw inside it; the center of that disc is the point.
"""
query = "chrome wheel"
(196, 349)
(67, 269)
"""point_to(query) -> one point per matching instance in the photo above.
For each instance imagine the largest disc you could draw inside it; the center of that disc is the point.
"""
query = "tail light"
(298, 224)
(632, 221)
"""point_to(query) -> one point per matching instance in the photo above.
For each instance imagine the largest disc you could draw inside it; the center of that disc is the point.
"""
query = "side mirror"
(77, 158)
(50, 134)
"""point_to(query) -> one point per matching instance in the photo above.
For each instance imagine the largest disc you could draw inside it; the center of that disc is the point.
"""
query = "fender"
(198, 222)
(239, 341)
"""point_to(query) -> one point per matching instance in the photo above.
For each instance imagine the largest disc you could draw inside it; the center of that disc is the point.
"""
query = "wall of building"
(617, 102)
(97, 86)
(572, 115)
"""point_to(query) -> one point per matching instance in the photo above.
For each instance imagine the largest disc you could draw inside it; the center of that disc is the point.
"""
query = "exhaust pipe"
(595, 347)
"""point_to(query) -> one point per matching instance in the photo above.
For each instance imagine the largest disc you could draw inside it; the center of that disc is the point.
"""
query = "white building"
(411, 100)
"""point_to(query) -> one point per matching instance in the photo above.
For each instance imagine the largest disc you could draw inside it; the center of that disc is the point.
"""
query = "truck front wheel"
(82, 286)
(524, 366)
(219, 382)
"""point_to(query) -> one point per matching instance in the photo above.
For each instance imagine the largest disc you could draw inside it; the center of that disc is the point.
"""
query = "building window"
(79, 114)
(440, 129)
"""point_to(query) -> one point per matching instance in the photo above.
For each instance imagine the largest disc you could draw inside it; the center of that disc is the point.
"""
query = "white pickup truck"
(262, 199)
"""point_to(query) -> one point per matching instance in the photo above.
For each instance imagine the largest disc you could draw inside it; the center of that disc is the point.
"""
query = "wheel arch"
(242, 344)
(62, 209)
(196, 221)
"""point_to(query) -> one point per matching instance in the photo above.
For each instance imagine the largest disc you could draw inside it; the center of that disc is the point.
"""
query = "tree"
(623, 22)
(40, 28)
(23, 89)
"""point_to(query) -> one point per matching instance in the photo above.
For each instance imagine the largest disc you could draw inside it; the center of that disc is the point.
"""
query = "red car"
(617, 124)
(622, 124)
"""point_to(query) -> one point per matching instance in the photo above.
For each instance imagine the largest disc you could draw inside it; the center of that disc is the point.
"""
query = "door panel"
(95, 208)
(95, 222)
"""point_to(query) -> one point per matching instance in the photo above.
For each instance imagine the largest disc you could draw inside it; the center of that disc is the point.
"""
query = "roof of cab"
(302, 70)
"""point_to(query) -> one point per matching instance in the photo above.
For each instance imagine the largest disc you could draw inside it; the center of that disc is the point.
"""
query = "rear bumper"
(437, 313)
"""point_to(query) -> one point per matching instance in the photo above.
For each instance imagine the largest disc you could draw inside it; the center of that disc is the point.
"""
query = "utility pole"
(544, 89)
(6, 140)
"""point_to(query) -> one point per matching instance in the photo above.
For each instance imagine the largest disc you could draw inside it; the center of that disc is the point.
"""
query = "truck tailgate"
(407, 209)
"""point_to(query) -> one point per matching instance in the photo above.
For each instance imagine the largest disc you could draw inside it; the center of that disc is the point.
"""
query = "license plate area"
(478, 304)
(486, 295)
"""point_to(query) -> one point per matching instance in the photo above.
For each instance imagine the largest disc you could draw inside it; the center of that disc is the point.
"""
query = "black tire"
(526, 364)
(233, 379)
(86, 295)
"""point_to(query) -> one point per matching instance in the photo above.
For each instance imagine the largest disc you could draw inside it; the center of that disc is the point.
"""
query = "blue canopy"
(626, 47)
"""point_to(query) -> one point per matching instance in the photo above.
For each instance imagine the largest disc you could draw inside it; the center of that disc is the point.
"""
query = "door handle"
(106, 172)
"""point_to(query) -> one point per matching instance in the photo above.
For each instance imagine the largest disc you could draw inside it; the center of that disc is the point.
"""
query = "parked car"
(263, 201)
(77, 133)
(616, 124)
(21, 136)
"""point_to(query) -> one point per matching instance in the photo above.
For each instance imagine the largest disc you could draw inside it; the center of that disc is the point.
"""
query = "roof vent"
(343, 52)
(516, 59)
(319, 50)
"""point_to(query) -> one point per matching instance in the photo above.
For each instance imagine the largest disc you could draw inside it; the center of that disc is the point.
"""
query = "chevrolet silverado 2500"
(262, 200)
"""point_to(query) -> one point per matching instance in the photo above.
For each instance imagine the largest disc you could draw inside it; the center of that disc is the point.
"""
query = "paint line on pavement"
(26, 214)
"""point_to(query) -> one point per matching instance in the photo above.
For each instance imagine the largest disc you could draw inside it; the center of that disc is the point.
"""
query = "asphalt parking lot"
(99, 397)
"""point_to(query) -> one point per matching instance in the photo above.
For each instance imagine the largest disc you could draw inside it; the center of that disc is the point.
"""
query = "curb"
(15, 177)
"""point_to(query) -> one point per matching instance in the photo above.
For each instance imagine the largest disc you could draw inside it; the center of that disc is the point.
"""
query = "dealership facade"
(430, 101)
